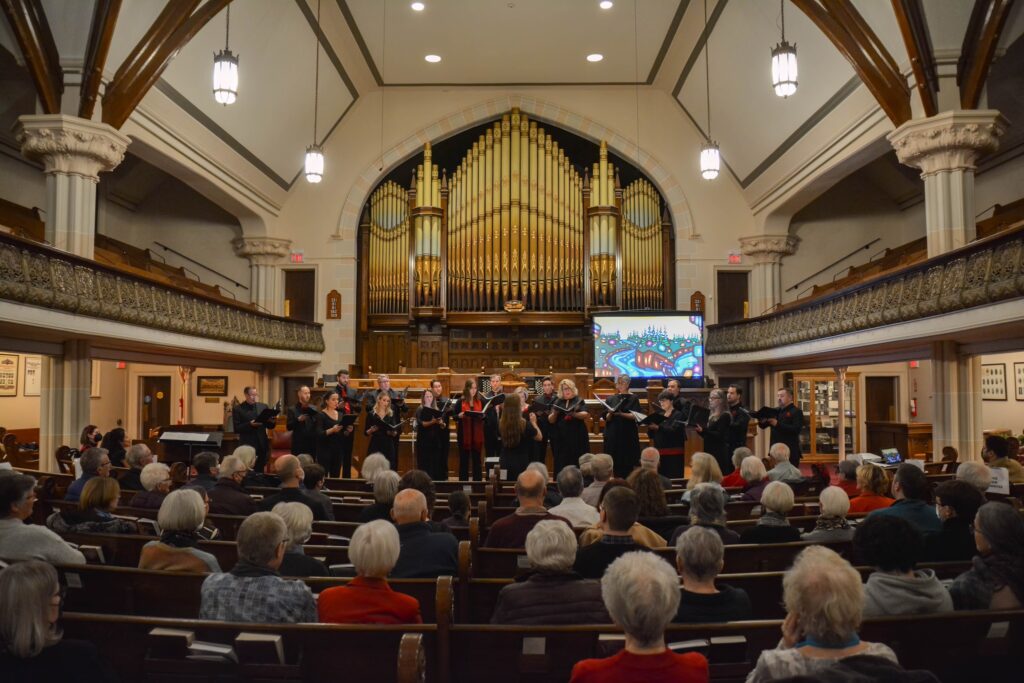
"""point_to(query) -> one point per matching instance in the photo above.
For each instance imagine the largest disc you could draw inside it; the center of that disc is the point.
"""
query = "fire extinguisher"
(913, 407)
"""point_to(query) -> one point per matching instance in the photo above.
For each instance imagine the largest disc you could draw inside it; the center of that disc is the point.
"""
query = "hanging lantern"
(784, 69)
(710, 160)
(225, 77)
(314, 166)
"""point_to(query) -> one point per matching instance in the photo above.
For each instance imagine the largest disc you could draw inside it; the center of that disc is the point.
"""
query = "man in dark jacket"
(289, 469)
(911, 490)
(786, 427)
(250, 431)
(619, 511)
(956, 503)
(137, 457)
(205, 465)
(302, 424)
(740, 419)
(424, 554)
(227, 497)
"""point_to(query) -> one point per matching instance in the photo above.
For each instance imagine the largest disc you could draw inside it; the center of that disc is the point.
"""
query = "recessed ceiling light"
(606, 4)
(433, 59)
(595, 57)
(418, 6)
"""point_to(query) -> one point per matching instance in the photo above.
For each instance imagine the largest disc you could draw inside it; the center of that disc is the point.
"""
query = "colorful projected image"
(648, 346)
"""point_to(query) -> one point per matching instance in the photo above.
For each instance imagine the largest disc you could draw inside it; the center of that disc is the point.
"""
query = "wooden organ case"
(507, 257)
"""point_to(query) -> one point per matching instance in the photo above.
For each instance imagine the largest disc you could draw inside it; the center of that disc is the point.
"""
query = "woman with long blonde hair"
(703, 470)
(517, 437)
(380, 427)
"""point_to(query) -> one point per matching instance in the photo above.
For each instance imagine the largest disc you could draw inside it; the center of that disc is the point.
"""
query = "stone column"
(73, 152)
(841, 431)
(946, 147)
(265, 255)
(956, 397)
(64, 403)
(766, 251)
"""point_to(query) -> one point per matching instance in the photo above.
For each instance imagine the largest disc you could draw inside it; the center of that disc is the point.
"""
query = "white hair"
(779, 452)
(739, 455)
(298, 517)
(777, 497)
(551, 546)
(182, 510)
(259, 537)
(247, 454)
(752, 469)
(136, 453)
(977, 474)
(700, 552)
(374, 463)
(825, 593)
(541, 469)
(26, 589)
(602, 466)
(385, 486)
(153, 474)
(641, 592)
(231, 466)
(409, 506)
(834, 502)
(649, 458)
(374, 548)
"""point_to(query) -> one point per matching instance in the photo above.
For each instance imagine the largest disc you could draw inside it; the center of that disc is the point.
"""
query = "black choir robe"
(304, 436)
(241, 416)
(787, 431)
(622, 435)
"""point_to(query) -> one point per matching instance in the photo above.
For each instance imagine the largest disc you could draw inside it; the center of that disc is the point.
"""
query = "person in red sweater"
(368, 599)
(734, 479)
(641, 592)
(847, 481)
(873, 484)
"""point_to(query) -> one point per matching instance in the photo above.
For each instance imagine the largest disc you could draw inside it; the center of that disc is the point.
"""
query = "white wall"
(1008, 414)
(19, 412)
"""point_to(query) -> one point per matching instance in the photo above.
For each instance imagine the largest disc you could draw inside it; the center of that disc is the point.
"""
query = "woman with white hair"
(831, 525)
(552, 593)
(704, 469)
(368, 599)
(180, 518)
(735, 478)
(772, 526)
(156, 480)
(247, 454)
(700, 555)
(756, 477)
(372, 464)
(298, 518)
(824, 602)
(31, 647)
(641, 592)
(707, 509)
(385, 486)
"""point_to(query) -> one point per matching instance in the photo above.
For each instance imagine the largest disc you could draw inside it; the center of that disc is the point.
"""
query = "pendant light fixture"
(314, 166)
(225, 69)
(710, 156)
(784, 62)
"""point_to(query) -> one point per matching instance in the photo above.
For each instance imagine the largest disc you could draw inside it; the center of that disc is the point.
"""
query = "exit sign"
(735, 258)
(296, 257)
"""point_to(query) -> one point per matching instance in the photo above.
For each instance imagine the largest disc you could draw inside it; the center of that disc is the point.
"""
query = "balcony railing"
(38, 275)
(981, 273)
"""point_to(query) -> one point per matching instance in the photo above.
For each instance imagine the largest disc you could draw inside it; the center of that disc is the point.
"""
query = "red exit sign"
(296, 257)
(735, 258)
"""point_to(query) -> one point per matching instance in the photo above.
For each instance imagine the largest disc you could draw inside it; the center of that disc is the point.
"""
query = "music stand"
(190, 440)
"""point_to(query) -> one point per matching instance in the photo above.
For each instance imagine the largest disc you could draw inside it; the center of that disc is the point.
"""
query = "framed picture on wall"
(993, 382)
(1018, 381)
(33, 378)
(212, 385)
(8, 374)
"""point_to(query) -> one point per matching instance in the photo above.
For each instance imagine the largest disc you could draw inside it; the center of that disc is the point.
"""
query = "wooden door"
(880, 398)
(154, 403)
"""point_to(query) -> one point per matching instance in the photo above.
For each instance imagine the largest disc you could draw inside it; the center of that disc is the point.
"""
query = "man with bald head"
(424, 554)
(510, 531)
(289, 469)
(650, 458)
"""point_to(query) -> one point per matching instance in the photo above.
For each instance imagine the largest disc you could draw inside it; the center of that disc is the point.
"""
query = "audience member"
(824, 602)
(773, 526)
(20, 541)
(116, 444)
(137, 456)
(424, 554)
(996, 579)
(618, 515)
(247, 454)
(641, 593)
(180, 518)
(94, 463)
(91, 437)
(783, 470)
(893, 546)
(206, 466)
(847, 471)
(313, 486)
(704, 469)
(735, 480)
(707, 509)
(368, 599)
(253, 591)
(385, 486)
(996, 454)
(156, 483)
(458, 506)
(298, 518)
(756, 477)
(873, 484)
(641, 534)
(31, 647)
(586, 464)
(911, 490)
(977, 474)
(94, 513)
(227, 497)
(289, 469)
(552, 593)
(372, 464)
(654, 510)
(510, 531)
(602, 467)
(700, 555)
(1013, 448)
(551, 498)
(956, 504)
(421, 481)
(650, 459)
(573, 507)
(831, 525)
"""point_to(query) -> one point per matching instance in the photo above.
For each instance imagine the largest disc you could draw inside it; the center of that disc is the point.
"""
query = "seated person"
(299, 520)
(253, 591)
(912, 492)
(421, 481)
(552, 593)
(956, 503)
(31, 648)
(704, 470)
(247, 454)
(735, 480)
(772, 526)
(650, 459)
(700, 555)
(368, 599)
(136, 457)
(640, 534)
(824, 603)
(654, 511)
(996, 454)
(227, 497)
(20, 541)
(618, 514)
(707, 509)
(601, 467)
(372, 464)
(996, 581)
(641, 593)
(783, 470)
(314, 481)
(94, 463)
(115, 442)
(206, 465)
(892, 546)
(385, 486)
(847, 472)
(977, 474)
(873, 485)
(831, 525)
(573, 507)
(510, 531)
(458, 505)
(754, 473)
(424, 554)
(289, 470)
(156, 482)
(95, 511)
(180, 518)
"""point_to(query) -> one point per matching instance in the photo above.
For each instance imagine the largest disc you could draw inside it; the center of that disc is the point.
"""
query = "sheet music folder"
(192, 438)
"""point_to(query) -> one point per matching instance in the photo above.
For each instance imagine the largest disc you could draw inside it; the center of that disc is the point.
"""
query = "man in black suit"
(786, 428)
(302, 425)
(492, 439)
(250, 432)
(424, 554)
(737, 437)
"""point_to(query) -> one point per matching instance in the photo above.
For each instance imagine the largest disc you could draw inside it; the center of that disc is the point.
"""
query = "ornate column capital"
(950, 141)
(768, 248)
(262, 250)
(68, 144)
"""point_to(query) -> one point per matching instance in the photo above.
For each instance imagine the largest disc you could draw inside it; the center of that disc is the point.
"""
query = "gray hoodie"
(886, 594)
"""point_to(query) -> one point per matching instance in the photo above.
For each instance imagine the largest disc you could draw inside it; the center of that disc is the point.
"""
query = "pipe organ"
(514, 234)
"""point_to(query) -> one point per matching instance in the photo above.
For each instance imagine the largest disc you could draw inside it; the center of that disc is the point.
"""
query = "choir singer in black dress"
(518, 435)
(568, 416)
(670, 438)
(331, 452)
(621, 434)
(428, 440)
(349, 403)
(541, 406)
(383, 426)
(302, 419)
(718, 431)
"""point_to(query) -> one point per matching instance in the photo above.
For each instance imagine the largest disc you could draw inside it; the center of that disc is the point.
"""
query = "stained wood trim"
(32, 30)
(101, 32)
(988, 19)
(914, 28)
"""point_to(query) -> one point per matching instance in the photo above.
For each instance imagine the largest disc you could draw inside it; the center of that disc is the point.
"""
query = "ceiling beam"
(843, 25)
(988, 19)
(101, 32)
(914, 28)
(176, 25)
(32, 31)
